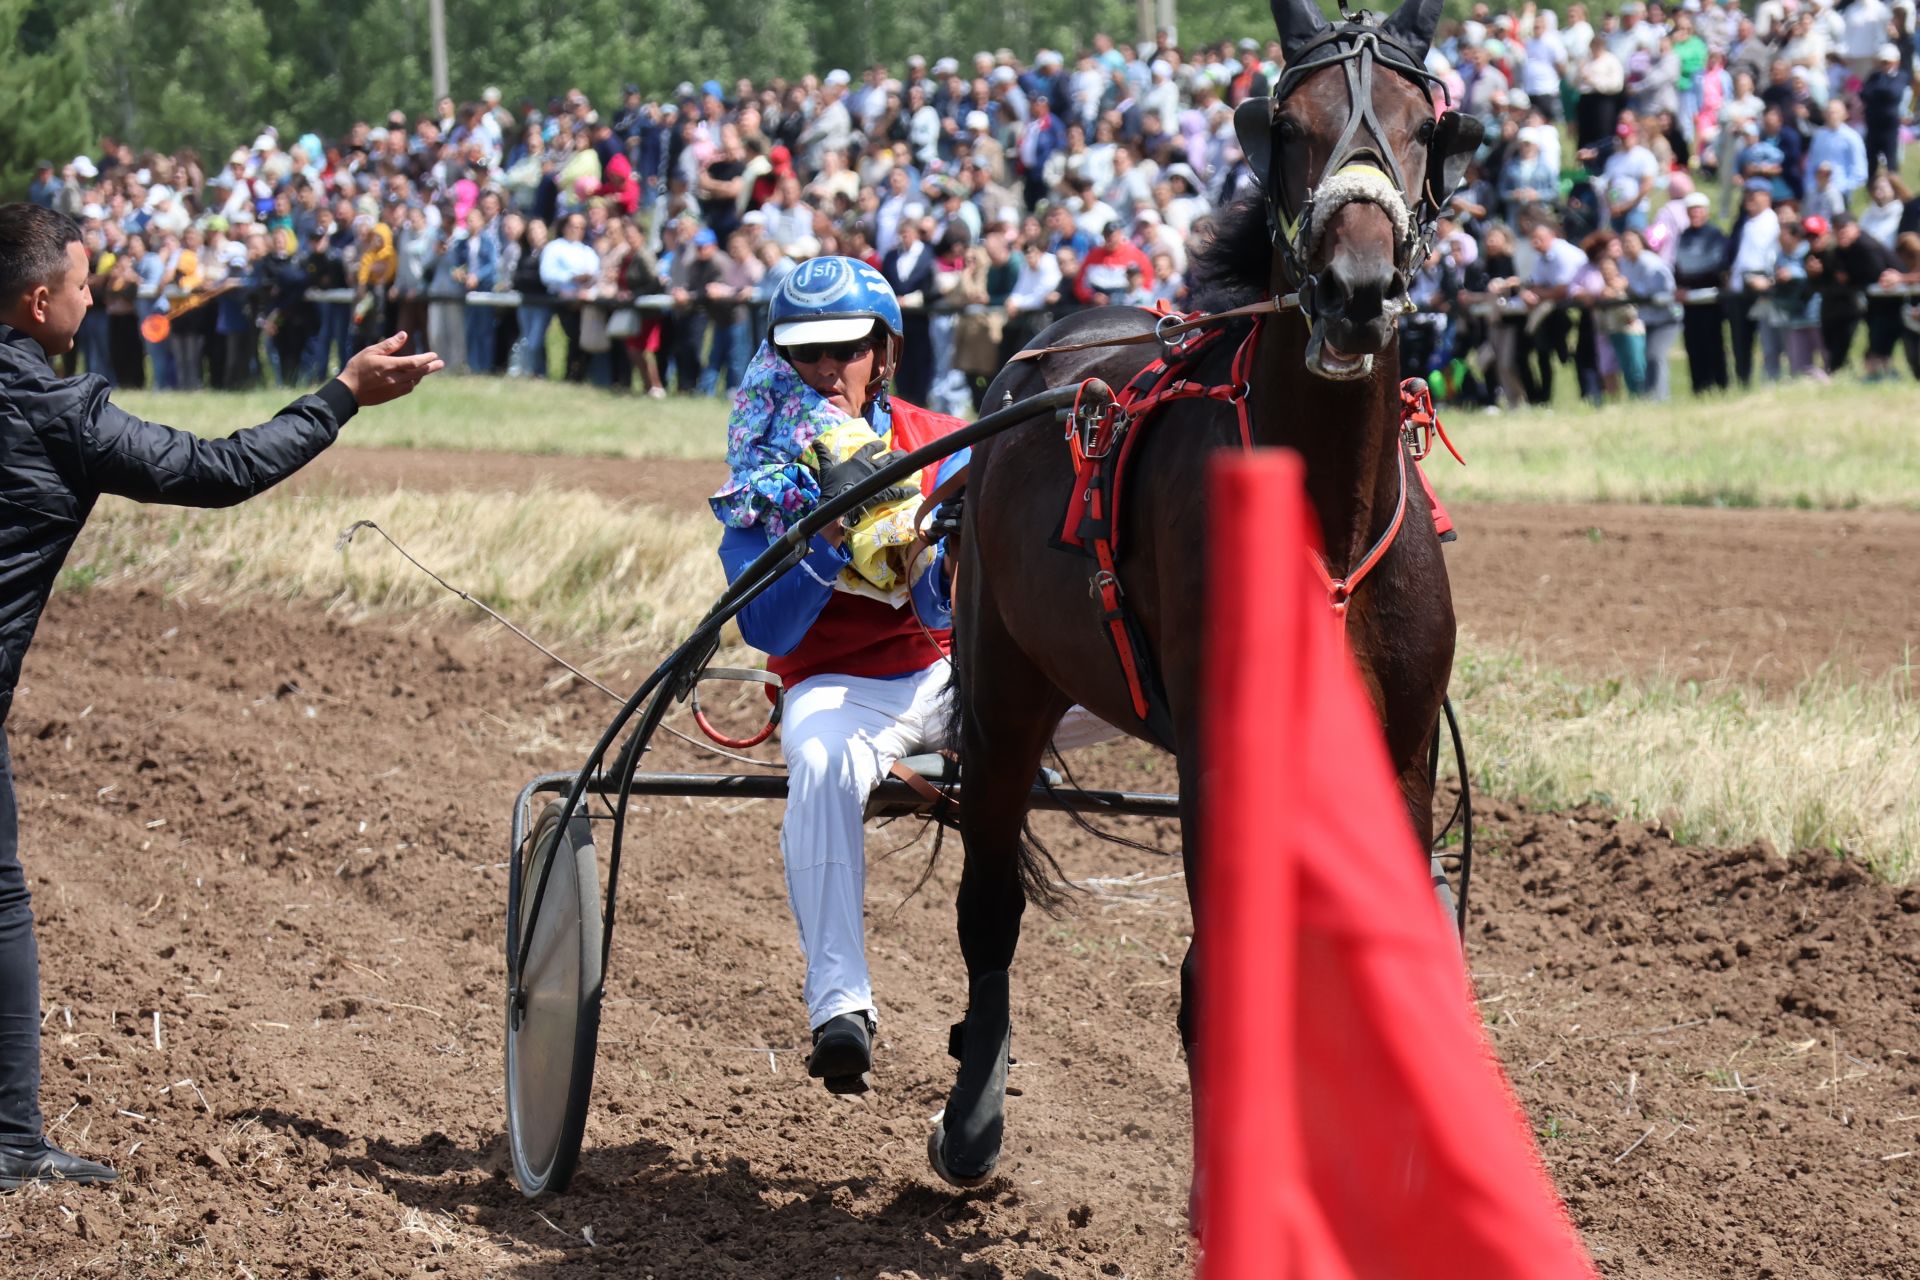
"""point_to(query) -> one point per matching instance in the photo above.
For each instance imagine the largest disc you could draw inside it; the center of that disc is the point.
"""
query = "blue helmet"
(831, 300)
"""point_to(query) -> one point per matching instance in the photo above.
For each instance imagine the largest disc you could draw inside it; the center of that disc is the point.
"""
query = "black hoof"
(936, 1158)
(965, 1145)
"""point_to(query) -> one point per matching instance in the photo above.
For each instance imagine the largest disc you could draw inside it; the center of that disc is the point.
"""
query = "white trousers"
(840, 735)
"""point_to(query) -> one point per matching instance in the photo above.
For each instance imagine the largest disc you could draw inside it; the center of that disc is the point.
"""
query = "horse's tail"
(1042, 882)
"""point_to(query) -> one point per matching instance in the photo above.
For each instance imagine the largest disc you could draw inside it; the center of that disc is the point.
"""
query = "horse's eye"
(1425, 132)
(1286, 129)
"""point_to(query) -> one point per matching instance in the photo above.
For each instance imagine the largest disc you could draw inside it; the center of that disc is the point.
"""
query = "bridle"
(1357, 45)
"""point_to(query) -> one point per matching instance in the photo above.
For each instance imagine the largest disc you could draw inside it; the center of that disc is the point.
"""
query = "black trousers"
(1701, 329)
(20, 1119)
(1742, 329)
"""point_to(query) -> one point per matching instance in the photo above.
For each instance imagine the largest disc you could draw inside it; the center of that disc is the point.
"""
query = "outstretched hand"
(376, 375)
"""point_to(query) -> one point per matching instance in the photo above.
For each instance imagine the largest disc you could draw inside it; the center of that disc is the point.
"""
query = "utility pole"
(1170, 19)
(437, 38)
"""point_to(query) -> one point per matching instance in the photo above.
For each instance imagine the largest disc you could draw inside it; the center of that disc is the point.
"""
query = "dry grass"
(570, 566)
(1830, 764)
(517, 416)
(1802, 444)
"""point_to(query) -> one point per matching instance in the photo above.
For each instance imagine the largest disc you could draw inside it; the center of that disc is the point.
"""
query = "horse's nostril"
(1329, 297)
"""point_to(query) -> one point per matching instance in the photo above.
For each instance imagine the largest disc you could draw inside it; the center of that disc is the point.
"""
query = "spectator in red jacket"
(1103, 277)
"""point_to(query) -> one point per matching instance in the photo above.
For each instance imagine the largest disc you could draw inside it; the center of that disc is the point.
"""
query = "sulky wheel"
(553, 1018)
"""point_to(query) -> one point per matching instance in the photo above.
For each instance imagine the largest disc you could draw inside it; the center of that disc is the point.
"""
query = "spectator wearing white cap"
(831, 128)
(1880, 98)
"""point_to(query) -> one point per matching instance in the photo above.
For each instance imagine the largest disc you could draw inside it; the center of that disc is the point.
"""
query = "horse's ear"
(1455, 138)
(1299, 21)
(1414, 21)
(1253, 125)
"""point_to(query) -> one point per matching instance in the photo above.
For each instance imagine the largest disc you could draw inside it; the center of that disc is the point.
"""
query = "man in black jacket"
(1700, 262)
(62, 445)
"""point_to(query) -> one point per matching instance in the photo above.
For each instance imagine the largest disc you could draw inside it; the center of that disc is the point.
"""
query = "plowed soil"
(285, 836)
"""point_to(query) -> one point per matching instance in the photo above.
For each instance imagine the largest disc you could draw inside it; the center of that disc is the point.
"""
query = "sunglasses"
(814, 352)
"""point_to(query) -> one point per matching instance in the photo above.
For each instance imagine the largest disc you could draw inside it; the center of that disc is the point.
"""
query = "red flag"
(1352, 1119)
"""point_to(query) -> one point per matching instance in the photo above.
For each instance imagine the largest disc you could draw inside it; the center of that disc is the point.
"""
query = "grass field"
(1845, 444)
(1827, 764)
(513, 416)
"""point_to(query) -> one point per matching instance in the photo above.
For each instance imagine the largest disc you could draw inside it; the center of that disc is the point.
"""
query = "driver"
(864, 670)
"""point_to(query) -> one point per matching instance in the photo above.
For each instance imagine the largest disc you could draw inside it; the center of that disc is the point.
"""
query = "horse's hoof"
(935, 1141)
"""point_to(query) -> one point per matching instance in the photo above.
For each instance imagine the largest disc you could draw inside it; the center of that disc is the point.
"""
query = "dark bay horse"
(1355, 163)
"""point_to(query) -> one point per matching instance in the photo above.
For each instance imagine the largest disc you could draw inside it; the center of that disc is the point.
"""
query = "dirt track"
(284, 834)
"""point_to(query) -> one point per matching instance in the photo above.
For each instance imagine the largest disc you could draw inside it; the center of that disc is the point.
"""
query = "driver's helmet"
(831, 300)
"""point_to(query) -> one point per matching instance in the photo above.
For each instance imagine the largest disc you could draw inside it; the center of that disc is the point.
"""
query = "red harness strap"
(1101, 445)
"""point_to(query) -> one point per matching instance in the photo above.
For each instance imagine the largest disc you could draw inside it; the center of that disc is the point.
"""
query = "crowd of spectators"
(1637, 165)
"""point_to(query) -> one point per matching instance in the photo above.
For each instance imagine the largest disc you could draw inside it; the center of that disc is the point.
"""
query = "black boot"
(965, 1145)
(843, 1053)
(41, 1161)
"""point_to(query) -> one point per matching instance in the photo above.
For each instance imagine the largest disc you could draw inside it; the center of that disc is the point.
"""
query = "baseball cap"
(1698, 200)
(1888, 53)
(705, 236)
(838, 76)
(1249, 45)
(978, 122)
(1759, 184)
(1004, 75)
(85, 168)
(1814, 225)
(946, 67)
(712, 89)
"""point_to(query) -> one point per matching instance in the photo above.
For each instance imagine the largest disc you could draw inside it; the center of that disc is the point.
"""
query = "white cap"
(753, 218)
(85, 168)
(240, 156)
(1518, 100)
(1888, 53)
(490, 94)
(946, 67)
(978, 122)
(265, 142)
(1698, 200)
(93, 213)
(1004, 75)
(804, 247)
(837, 76)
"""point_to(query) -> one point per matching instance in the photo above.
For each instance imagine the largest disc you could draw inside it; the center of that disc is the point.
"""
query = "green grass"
(1802, 444)
(1835, 446)
(516, 416)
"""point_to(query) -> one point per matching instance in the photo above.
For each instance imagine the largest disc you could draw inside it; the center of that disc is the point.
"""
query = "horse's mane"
(1230, 264)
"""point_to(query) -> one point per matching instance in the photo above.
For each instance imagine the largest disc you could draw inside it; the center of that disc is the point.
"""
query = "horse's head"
(1356, 165)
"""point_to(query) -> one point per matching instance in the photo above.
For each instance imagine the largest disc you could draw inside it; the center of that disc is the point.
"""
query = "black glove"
(945, 521)
(839, 478)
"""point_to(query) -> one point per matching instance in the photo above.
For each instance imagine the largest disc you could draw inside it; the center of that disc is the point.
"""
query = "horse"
(1330, 241)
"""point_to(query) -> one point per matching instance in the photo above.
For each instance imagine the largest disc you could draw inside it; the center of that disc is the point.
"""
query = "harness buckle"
(1160, 330)
(1100, 582)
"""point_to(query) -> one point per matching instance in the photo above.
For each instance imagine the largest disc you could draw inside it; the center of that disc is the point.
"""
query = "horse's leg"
(1005, 722)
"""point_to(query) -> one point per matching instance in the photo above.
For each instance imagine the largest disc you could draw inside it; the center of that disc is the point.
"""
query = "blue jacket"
(780, 617)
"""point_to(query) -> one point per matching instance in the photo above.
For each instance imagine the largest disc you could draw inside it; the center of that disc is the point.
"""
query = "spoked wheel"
(553, 1011)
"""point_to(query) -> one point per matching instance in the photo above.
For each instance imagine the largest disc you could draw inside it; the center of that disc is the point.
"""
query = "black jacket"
(62, 445)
